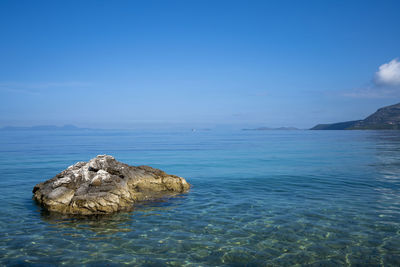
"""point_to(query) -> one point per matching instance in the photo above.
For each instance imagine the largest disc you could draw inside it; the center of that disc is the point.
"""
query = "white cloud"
(389, 73)
(386, 83)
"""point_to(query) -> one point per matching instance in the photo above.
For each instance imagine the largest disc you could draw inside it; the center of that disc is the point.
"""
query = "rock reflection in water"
(108, 224)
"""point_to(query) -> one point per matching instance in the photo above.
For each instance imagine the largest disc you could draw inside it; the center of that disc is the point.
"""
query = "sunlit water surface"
(261, 198)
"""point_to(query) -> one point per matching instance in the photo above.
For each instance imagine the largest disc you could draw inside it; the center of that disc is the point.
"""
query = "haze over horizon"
(104, 64)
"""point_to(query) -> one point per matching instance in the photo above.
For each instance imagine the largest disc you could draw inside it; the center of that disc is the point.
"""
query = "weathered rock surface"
(105, 185)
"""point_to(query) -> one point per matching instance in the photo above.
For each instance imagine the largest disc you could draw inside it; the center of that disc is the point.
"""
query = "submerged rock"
(105, 185)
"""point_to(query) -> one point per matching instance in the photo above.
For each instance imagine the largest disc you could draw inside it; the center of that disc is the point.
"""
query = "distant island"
(272, 129)
(386, 118)
(44, 128)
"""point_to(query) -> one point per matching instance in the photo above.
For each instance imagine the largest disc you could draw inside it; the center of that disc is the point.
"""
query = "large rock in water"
(105, 185)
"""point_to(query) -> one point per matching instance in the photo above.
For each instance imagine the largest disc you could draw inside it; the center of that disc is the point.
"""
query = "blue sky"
(122, 64)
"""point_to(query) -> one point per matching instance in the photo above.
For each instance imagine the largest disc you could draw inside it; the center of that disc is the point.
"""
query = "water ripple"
(258, 199)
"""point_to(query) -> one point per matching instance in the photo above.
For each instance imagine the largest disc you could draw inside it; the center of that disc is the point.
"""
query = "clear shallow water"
(272, 198)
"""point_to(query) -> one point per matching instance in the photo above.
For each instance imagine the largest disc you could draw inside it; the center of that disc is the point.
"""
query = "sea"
(258, 198)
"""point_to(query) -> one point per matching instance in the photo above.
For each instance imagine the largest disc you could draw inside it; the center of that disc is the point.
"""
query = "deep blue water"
(261, 198)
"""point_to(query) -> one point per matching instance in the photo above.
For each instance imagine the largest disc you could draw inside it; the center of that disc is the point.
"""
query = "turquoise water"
(262, 198)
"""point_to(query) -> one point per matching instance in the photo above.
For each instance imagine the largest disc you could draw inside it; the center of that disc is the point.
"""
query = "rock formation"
(105, 185)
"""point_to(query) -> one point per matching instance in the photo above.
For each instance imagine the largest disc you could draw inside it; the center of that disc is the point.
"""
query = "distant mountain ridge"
(386, 118)
(271, 129)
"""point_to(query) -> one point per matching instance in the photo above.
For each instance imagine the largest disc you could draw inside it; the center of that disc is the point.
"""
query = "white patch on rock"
(77, 165)
(102, 176)
(85, 172)
(76, 173)
(64, 180)
(100, 162)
